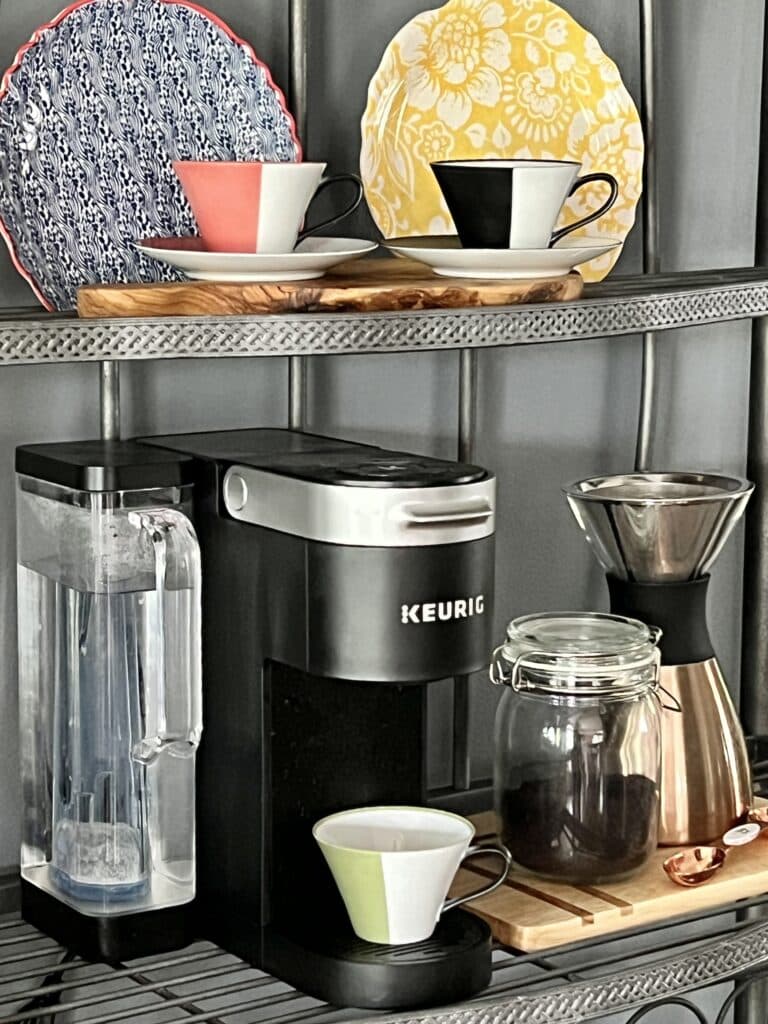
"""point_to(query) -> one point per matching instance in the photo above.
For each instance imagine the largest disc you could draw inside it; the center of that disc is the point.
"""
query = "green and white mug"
(394, 866)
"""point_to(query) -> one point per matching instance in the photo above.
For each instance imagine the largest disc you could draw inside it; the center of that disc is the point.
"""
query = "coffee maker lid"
(380, 469)
(317, 459)
(99, 466)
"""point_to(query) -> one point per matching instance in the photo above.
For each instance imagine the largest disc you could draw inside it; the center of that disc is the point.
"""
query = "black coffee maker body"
(338, 579)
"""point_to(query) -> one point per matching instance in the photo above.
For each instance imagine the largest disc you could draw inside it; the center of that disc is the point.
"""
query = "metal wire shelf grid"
(620, 306)
(583, 982)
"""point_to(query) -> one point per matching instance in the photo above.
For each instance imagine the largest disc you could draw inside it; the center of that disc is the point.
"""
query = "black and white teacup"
(514, 204)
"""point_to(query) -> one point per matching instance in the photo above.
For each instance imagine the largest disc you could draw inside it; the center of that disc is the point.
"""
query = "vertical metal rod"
(462, 775)
(109, 394)
(297, 392)
(754, 651)
(299, 76)
(298, 14)
(647, 414)
(467, 404)
(749, 1008)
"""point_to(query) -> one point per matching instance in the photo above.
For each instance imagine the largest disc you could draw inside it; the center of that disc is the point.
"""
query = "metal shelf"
(203, 984)
(619, 306)
(583, 981)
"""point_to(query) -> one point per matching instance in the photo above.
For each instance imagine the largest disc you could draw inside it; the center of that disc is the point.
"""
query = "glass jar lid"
(578, 652)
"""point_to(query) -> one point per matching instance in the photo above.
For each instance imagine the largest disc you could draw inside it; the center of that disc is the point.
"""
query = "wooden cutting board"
(363, 286)
(531, 914)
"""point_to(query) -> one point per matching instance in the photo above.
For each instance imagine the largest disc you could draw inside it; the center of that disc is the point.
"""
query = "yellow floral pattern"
(497, 78)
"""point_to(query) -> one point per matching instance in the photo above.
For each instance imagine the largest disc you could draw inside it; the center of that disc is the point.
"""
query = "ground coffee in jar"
(577, 745)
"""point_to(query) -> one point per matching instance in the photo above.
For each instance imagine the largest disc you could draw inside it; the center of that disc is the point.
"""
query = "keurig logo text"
(442, 611)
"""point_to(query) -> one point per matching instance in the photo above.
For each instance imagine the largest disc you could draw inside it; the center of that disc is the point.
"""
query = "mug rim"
(480, 161)
(389, 808)
(314, 164)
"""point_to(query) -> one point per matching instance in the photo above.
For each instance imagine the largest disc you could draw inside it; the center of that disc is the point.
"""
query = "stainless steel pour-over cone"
(657, 535)
(657, 527)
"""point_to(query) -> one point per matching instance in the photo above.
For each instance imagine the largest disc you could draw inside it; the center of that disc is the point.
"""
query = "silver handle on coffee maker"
(424, 513)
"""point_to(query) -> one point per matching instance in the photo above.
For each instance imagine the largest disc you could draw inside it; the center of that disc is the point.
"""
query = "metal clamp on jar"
(577, 745)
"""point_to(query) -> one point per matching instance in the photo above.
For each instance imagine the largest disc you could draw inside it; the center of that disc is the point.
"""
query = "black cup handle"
(598, 176)
(334, 179)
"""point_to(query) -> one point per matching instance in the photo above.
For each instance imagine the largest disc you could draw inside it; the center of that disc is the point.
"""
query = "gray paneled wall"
(547, 414)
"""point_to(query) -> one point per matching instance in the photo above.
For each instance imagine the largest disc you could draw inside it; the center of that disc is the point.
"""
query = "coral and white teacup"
(250, 206)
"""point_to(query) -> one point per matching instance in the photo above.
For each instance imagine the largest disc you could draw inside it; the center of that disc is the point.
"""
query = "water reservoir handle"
(171, 694)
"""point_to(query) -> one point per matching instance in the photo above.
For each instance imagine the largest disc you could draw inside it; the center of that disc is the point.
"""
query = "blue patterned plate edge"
(36, 38)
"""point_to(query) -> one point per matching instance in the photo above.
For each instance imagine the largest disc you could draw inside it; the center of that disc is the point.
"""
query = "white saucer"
(445, 256)
(311, 258)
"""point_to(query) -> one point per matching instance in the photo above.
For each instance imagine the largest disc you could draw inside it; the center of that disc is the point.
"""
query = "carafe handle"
(171, 694)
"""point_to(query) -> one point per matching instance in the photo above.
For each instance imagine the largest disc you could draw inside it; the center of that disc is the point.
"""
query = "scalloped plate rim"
(377, 119)
(37, 37)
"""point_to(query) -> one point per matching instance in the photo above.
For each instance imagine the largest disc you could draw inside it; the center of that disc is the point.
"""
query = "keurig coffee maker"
(338, 579)
(657, 535)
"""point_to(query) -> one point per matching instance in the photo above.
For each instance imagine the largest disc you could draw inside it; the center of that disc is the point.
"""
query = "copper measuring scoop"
(698, 864)
(759, 815)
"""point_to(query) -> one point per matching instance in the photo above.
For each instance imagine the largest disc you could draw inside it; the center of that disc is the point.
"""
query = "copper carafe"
(657, 535)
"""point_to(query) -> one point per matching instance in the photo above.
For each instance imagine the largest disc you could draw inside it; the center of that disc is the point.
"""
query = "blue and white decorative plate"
(93, 112)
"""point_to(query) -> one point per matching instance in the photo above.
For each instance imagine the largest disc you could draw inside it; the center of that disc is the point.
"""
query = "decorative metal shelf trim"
(709, 964)
(618, 307)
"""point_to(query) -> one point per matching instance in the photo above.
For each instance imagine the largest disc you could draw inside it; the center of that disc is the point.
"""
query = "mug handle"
(585, 180)
(476, 851)
(334, 179)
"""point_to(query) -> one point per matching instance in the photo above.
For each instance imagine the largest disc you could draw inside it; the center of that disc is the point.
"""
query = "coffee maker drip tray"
(332, 963)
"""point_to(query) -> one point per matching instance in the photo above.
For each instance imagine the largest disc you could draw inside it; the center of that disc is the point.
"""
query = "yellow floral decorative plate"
(497, 78)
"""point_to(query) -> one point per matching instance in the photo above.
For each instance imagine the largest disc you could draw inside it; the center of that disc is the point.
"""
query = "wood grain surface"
(532, 914)
(363, 286)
